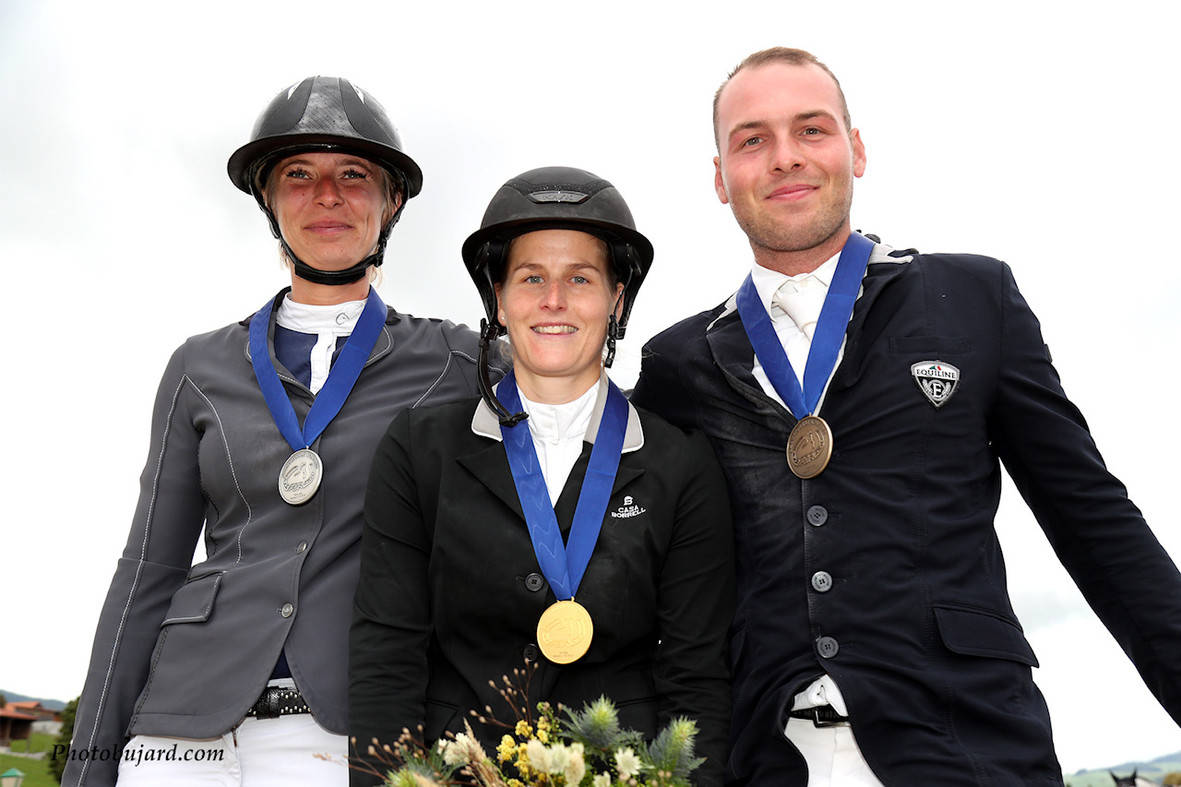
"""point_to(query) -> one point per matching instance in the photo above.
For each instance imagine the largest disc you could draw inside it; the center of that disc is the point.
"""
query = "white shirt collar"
(336, 319)
(556, 422)
(767, 281)
(486, 424)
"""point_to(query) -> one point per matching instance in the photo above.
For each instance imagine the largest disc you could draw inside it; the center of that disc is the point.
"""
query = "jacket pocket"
(976, 632)
(193, 603)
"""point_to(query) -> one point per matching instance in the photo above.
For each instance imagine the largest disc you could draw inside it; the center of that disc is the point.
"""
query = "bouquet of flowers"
(586, 747)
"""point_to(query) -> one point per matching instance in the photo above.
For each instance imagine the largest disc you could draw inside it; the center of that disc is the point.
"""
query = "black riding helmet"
(553, 198)
(324, 114)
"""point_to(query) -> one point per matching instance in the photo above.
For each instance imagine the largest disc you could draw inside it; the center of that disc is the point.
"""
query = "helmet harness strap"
(488, 334)
(614, 332)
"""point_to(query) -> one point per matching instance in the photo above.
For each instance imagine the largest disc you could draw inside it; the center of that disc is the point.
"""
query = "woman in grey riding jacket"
(262, 437)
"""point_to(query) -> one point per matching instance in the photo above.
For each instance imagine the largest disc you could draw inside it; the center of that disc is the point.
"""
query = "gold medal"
(809, 447)
(564, 632)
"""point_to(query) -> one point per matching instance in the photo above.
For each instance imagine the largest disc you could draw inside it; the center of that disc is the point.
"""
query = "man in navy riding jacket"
(874, 641)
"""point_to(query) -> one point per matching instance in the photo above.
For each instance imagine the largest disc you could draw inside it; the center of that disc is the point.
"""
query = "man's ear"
(719, 184)
(858, 153)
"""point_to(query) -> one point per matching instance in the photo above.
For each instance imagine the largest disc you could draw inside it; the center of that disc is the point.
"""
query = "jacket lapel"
(489, 466)
(866, 325)
(381, 346)
(734, 356)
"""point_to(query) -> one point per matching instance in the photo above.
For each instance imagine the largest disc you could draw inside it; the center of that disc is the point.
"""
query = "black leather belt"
(276, 701)
(824, 716)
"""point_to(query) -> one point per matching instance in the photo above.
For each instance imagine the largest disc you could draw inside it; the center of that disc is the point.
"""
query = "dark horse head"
(1125, 781)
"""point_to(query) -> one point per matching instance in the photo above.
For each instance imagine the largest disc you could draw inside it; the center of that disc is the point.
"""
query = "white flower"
(458, 751)
(601, 780)
(627, 763)
(559, 758)
(576, 766)
(539, 755)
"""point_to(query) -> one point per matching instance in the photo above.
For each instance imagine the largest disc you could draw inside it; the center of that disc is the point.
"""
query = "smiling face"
(786, 162)
(555, 299)
(330, 207)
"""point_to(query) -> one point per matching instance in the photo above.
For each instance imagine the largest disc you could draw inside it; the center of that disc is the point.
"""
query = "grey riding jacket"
(185, 650)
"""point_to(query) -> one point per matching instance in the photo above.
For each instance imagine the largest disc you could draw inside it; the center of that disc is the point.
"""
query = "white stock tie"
(801, 299)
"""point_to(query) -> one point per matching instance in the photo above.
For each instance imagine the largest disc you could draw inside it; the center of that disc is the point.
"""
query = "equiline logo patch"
(936, 379)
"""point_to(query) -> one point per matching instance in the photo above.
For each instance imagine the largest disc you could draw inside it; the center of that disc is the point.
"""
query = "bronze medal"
(564, 632)
(809, 447)
(300, 477)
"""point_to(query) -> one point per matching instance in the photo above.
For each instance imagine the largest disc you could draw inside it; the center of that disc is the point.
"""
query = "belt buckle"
(823, 723)
(268, 703)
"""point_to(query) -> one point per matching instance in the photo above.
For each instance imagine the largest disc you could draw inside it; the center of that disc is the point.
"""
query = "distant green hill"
(1154, 770)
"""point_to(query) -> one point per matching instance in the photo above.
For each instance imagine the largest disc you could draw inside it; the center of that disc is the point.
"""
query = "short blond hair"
(788, 56)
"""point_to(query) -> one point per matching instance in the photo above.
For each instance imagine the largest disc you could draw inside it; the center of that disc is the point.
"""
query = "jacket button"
(817, 515)
(286, 610)
(827, 647)
(534, 582)
(822, 581)
(531, 652)
(303, 545)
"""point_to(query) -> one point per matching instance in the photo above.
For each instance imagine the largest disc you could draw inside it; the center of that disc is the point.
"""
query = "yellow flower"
(523, 729)
(542, 735)
(506, 749)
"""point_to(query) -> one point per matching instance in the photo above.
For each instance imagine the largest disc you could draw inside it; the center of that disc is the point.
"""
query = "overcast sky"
(1040, 133)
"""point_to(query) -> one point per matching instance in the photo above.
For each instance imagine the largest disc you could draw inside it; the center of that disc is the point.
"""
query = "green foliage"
(35, 771)
(57, 765)
(1173, 778)
(672, 751)
(596, 725)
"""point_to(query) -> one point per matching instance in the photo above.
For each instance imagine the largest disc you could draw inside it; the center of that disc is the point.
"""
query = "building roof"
(8, 713)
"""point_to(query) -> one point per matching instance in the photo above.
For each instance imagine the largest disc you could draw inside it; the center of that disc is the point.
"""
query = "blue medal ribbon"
(827, 339)
(336, 388)
(564, 565)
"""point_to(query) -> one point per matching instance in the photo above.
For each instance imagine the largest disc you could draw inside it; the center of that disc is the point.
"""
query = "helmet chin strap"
(488, 334)
(346, 276)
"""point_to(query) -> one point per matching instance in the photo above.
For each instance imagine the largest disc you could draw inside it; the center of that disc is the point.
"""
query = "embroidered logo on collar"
(629, 508)
(936, 379)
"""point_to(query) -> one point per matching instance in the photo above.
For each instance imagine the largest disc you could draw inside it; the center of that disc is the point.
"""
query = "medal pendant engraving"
(300, 477)
(809, 447)
(564, 632)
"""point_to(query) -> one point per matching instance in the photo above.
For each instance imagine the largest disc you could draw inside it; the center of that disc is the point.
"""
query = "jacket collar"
(732, 351)
(486, 424)
(489, 465)
(381, 347)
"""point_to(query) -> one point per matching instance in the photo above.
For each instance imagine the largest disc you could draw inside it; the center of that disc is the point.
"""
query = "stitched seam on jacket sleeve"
(230, 462)
(138, 569)
(438, 380)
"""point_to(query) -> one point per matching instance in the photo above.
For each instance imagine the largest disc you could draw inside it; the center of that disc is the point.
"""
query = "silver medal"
(936, 379)
(300, 477)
